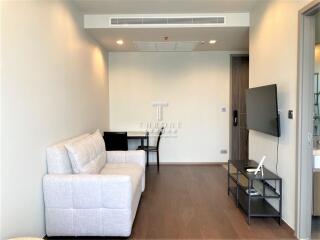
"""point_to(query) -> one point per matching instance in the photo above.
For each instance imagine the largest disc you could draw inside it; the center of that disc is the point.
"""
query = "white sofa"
(91, 192)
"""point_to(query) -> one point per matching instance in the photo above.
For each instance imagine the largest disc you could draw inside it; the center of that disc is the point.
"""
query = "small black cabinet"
(268, 188)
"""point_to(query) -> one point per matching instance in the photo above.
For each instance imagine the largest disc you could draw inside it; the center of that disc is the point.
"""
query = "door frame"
(230, 98)
(306, 43)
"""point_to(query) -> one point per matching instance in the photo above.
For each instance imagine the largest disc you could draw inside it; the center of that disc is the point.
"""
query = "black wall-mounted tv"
(262, 110)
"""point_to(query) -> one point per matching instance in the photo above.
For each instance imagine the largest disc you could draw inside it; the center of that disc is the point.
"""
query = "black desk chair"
(153, 148)
(116, 141)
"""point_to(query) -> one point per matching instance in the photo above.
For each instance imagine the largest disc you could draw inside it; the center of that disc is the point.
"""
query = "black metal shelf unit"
(240, 183)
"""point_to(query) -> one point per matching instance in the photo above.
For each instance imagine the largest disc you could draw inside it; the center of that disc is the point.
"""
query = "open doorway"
(309, 124)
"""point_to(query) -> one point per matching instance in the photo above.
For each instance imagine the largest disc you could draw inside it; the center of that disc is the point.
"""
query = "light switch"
(290, 114)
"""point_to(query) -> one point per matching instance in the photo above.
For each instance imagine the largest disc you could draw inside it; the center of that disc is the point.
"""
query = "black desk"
(142, 136)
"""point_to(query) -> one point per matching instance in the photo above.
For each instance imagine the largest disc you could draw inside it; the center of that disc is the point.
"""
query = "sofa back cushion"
(58, 161)
(87, 155)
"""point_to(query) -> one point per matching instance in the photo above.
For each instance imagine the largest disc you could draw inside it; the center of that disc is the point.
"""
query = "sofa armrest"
(133, 156)
(80, 191)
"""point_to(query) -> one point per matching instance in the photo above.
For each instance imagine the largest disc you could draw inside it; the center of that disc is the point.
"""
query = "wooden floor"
(315, 228)
(191, 202)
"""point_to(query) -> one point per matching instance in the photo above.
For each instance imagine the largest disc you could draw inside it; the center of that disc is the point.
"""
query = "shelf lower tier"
(259, 206)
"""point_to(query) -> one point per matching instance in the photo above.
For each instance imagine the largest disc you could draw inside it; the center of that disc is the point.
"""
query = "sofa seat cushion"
(133, 170)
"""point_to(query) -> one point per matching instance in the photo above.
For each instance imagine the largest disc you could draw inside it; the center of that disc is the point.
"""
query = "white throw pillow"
(58, 160)
(98, 142)
(87, 155)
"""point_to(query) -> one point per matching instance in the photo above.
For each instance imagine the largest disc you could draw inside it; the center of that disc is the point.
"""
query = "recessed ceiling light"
(120, 42)
(212, 41)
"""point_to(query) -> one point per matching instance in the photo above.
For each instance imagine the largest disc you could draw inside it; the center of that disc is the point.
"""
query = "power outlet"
(224, 151)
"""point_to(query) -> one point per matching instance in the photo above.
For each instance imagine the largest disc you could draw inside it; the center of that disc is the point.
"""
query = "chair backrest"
(116, 141)
(159, 137)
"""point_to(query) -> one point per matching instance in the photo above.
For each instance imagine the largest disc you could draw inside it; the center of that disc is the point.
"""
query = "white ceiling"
(228, 38)
(163, 6)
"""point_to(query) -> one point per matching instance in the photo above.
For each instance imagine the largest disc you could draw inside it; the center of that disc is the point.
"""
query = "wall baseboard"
(189, 163)
(289, 228)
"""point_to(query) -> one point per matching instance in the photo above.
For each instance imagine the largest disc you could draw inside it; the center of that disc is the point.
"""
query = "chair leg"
(147, 152)
(158, 160)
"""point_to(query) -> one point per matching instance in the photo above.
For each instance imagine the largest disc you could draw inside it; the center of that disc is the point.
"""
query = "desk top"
(137, 134)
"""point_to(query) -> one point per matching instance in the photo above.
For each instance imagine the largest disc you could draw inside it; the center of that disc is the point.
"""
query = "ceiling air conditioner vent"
(180, 20)
(154, 20)
(193, 21)
(212, 20)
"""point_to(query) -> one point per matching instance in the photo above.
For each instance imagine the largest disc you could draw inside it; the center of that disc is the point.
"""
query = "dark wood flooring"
(315, 228)
(191, 202)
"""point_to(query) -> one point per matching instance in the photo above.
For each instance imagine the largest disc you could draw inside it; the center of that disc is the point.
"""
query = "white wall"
(273, 59)
(317, 59)
(54, 86)
(318, 28)
(1, 8)
(196, 87)
(317, 49)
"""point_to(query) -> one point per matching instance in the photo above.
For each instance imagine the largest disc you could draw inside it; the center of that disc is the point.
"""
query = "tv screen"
(262, 110)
